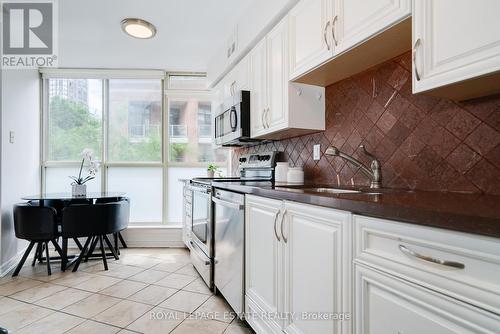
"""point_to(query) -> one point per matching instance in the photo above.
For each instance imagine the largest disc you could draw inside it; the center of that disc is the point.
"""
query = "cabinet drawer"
(406, 250)
(385, 304)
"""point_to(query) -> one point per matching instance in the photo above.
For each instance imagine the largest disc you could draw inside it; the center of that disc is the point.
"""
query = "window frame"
(105, 76)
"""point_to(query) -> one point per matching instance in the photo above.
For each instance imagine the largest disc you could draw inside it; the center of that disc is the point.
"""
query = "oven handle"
(228, 204)
(194, 248)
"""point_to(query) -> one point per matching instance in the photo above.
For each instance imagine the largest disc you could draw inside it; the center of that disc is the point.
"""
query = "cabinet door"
(317, 268)
(262, 260)
(242, 75)
(357, 20)
(237, 79)
(384, 304)
(258, 87)
(454, 40)
(310, 35)
(277, 76)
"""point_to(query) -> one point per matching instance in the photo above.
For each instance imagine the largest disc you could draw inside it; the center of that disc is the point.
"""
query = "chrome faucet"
(374, 173)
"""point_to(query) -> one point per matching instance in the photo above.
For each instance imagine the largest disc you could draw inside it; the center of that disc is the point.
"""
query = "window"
(74, 118)
(135, 119)
(190, 131)
(190, 147)
(144, 148)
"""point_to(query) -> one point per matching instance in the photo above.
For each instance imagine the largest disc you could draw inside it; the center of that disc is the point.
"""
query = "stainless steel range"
(217, 228)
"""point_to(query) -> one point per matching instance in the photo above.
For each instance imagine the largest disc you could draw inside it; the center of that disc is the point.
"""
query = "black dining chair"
(118, 238)
(40, 248)
(94, 222)
(37, 224)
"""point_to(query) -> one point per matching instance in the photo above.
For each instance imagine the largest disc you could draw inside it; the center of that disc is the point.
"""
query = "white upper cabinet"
(323, 31)
(277, 76)
(279, 108)
(358, 20)
(269, 82)
(237, 79)
(454, 41)
(258, 88)
(310, 35)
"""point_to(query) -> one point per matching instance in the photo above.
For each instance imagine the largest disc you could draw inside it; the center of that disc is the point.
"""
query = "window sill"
(153, 226)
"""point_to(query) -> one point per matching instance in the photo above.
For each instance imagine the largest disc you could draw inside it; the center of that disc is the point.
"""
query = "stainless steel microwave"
(232, 123)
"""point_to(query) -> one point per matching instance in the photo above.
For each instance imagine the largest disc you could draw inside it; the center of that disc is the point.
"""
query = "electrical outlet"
(12, 135)
(317, 152)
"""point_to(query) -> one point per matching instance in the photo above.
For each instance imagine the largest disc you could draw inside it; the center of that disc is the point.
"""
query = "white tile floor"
(146, 291)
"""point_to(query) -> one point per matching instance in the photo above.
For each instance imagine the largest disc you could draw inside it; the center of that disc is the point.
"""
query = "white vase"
(79, 190)
(210, 173)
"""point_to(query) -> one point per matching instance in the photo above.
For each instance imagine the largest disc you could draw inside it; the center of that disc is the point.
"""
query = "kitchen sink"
(331, 190)
(326, 190)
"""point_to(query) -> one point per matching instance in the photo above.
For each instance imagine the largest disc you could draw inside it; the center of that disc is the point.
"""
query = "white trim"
(72, 73)
(149, 237)
(12, 263)
(154, 236)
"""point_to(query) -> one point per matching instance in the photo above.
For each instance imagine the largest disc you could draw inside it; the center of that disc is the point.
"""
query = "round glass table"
(68, 196)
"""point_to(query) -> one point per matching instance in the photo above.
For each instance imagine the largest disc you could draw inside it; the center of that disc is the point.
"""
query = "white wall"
(20, 161)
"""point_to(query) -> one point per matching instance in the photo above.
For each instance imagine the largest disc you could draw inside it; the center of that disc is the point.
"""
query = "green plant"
(212, 168)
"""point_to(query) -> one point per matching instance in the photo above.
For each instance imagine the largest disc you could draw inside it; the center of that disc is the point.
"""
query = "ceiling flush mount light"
(138, 28)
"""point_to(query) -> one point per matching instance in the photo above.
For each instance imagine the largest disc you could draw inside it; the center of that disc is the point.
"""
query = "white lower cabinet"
(298, 265)
(385, 304)
(313, 270)
(263, 253)
(317, 267)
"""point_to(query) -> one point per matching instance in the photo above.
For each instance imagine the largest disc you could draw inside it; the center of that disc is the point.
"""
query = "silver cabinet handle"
(324, 35)
(415, 47)
(333, 29)
(282, 223)
(262, 118)
(228, 204)
(276, 223)
(232, 88)
(452, 264)
(267, 117)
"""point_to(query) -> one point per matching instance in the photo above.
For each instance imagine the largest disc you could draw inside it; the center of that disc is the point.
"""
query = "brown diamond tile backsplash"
(423, 142)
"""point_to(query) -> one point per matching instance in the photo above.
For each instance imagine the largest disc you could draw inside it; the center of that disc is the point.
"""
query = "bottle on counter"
(295, 175)
(281, 172)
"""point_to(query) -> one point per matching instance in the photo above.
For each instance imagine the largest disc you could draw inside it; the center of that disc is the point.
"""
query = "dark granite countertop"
(471, 213)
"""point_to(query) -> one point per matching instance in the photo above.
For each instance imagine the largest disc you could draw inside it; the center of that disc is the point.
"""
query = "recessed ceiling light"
(138, 28)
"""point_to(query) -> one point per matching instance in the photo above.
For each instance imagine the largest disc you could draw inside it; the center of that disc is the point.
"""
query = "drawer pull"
(452, 264)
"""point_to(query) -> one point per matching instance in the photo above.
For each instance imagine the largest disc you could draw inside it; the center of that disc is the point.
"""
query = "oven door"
(201, 218)
(201, 233)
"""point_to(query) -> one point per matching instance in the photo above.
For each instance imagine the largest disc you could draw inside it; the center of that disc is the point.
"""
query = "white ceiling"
(188, 31)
